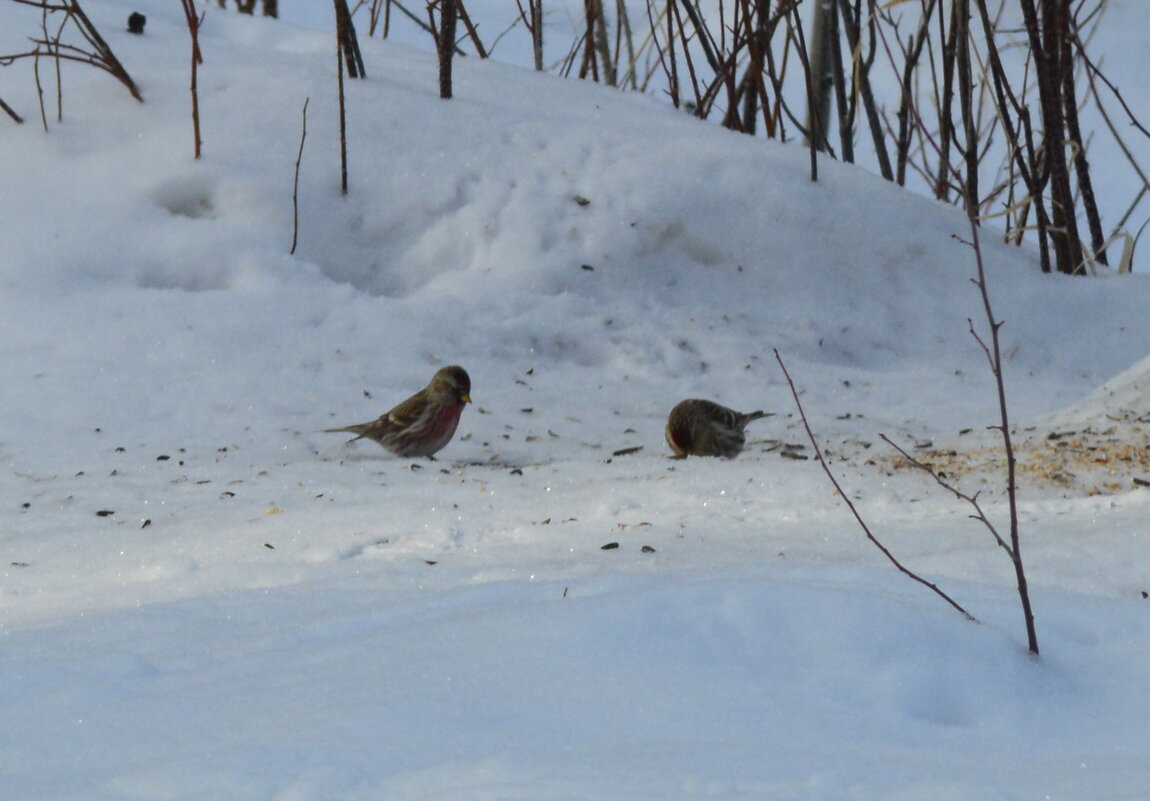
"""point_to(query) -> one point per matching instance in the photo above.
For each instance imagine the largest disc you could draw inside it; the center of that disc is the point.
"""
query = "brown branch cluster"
(56, 20)
(1010, 130)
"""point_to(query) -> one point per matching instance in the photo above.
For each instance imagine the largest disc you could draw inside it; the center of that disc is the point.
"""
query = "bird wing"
(404, 415)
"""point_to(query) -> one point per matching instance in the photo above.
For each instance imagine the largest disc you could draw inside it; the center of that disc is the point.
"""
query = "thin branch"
(100, 56)
(978, 515)
(295, 183)
(194, 21)
(850, 504)
(10, 112)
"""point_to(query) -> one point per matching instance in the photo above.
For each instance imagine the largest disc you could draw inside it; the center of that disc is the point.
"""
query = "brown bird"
(425, 422)
(699, 427)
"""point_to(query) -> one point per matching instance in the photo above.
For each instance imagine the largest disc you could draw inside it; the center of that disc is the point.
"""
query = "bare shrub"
(59, 19)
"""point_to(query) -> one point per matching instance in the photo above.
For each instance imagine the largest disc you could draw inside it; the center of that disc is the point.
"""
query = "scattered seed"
(627, 451)
(647, 549)
(105, 513)
(147, 522)
(609, 546)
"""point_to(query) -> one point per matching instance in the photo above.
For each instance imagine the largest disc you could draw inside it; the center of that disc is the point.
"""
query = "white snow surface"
(202, 596)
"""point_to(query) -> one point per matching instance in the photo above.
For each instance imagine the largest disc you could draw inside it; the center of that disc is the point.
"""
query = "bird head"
(452, 382)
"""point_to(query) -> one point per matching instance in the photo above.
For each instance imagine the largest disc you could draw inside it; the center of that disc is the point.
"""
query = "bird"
(424, 423)
(698, 427)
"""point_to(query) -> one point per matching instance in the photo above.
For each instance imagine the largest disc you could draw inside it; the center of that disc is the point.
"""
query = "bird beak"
(465, 398)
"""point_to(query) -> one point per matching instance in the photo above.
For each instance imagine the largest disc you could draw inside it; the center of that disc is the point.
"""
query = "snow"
(203, 596)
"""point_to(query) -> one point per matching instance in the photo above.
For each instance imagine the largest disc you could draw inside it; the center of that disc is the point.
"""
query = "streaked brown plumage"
(699, 427)
(424, 423)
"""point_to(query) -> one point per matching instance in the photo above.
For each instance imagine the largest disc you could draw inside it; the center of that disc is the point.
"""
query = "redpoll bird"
(425, 422)
(701, 428)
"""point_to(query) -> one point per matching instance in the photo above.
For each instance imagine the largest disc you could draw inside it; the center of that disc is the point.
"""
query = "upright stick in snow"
(194, 21)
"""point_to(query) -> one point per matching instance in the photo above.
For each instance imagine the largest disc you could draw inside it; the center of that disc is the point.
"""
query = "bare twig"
(348, 41)
(342, 123)
(850, 504)
(472, 31)
(11, 112)
(532, 17)
(993, 349)
(978, 515)
(194, 21)
(295, 183)
(99, 55)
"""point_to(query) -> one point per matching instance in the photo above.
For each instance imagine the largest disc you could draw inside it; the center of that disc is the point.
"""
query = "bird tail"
(358, 430)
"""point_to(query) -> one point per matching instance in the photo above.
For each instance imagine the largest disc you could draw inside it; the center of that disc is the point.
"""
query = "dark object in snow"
(269, 546)
(627, 451)
(105, 513)
(610, 546)
(647, 549)
(698, 427)
(147, 522)
(163, 457)
(588, 268)
(136, 22)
